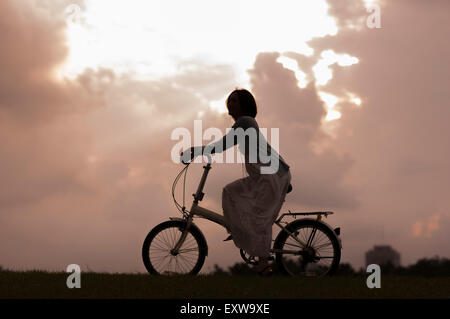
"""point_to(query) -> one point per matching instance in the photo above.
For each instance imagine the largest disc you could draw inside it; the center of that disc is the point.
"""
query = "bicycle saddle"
(289, 188)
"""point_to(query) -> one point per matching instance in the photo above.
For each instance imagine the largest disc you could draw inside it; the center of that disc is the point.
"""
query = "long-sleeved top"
(253, 145)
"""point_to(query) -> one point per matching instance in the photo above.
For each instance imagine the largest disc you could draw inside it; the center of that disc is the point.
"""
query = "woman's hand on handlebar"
(189, 154)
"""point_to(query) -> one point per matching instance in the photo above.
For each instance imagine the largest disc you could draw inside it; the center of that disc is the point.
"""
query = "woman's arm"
(228, 140)
(231, 138)
(215, 147)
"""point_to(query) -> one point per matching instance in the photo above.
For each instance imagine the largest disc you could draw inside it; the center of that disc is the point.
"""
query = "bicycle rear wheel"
(157, 250)
(311, 250)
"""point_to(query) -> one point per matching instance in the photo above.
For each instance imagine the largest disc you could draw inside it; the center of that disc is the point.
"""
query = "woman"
(251, 204)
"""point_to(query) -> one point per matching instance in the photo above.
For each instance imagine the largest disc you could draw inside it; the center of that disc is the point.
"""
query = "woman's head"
(241, 102)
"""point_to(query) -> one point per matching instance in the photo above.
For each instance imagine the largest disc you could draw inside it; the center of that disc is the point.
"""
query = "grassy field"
(38, 284)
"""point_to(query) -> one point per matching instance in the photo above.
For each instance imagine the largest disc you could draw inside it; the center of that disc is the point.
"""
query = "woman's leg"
(263, 266)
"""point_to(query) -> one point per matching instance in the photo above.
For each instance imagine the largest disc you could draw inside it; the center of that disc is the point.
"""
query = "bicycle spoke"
(293, 245)
(322, 237)
(328, 244)
(186, 262)
(187, 250)
(297, 240)
(311, 237)
(157, 245)
(315, 258)
(161, 246)
(167, 258)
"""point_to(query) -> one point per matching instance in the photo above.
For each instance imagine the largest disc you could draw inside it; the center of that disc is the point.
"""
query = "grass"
(48, 285)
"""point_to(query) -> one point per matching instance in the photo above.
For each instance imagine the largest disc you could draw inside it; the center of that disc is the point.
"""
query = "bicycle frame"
(202, 212)
(199, 211)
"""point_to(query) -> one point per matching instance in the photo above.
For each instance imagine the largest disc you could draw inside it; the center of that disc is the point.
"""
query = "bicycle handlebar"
(187, 163)
(184, 159)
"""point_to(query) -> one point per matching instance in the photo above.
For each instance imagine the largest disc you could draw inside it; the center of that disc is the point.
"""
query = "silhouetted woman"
(251, 204)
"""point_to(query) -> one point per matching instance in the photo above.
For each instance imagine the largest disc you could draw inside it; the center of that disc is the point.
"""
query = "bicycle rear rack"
(319, 217)
(319, 214)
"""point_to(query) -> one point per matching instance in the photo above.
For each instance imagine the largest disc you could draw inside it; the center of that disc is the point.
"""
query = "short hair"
(246, 101)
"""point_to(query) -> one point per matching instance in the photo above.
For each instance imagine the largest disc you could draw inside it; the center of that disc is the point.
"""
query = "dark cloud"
(397, 138)
(304, 63)
(29, 89)
(298, 113)
(41, 136)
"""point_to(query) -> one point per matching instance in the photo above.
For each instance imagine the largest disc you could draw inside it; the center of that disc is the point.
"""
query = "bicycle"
(303, 247)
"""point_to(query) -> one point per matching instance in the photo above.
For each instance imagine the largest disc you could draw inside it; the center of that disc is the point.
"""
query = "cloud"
(426, 228)
(349, 14)
(39, 116)
(85, 163)
(397, 138)
(299, 113)
(86, 168)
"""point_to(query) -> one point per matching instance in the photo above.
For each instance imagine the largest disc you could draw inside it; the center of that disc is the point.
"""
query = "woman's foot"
(263, 268)
(266, 271)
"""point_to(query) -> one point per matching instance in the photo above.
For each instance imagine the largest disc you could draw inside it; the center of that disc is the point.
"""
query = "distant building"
(382, 255)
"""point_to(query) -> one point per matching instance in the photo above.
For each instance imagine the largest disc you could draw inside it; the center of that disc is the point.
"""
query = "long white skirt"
(250, 206)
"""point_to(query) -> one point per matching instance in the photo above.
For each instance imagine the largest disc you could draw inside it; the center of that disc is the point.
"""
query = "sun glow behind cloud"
(150, 38)
(292, 65)
(322, 71)
(330, 102)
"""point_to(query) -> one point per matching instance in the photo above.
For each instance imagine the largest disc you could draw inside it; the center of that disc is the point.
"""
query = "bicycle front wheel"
(157, 250)
(311, 250)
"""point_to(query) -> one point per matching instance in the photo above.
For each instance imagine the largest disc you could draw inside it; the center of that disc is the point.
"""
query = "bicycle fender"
(323, 223)
(196, 228)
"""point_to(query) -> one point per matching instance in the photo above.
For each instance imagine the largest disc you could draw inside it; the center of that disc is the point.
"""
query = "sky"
(91, 91)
